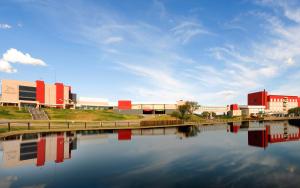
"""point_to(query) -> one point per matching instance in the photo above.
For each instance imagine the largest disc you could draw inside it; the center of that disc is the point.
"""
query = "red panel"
(40, 91)
(124, 134)
(258, 98)
(258, 138)
(60, 149)
(234, 107)
(298, 101)
(59, 94)
(124, 105)
(234, 128)
(41, 149)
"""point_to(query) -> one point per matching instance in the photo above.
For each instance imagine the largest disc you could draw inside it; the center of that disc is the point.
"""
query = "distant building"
(129, 107)
(87, 103)
(248, 110)
(273, 103)
(36, 94)
(234, 110)
(219, 110)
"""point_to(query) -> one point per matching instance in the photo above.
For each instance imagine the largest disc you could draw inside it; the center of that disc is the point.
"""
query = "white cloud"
(5, 26)
(112, 40)
(13, 56)
(6, 67)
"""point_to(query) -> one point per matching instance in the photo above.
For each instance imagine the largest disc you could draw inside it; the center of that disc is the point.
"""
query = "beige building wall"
(10, 90)
(278, 106)
(11, 155)
(66, 94)
(171, 106)
(50, 94)
(136, 106)
(50, 149)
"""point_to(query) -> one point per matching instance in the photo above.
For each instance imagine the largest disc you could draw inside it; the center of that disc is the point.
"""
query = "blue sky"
(214, 52)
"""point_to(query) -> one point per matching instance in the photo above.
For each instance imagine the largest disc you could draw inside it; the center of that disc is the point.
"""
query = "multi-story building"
(273, 103)
(37, 94)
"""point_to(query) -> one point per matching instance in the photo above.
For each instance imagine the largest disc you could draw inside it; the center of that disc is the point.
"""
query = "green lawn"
(13, 113)
(87, 115)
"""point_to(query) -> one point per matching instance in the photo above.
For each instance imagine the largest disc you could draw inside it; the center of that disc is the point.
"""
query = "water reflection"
(261, 134)
(37, 149)
(243, 154)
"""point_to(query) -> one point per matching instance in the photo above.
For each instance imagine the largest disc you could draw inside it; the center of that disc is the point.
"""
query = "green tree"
(185, 111)
(193, 106)
(295, 111)
(205, 114)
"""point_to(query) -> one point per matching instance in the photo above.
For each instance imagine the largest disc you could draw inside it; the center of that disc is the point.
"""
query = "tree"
(193, 106)
(205, 114)
(294, 111)
(186, 110)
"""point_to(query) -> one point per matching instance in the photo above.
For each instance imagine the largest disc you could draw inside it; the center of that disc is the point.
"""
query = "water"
(236, 155)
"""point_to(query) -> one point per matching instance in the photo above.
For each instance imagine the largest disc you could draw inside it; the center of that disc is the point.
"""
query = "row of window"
(282, 100)
(27, 93)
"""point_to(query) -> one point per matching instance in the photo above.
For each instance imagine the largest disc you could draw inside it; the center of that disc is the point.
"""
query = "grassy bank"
(14, 113)
(87, 115)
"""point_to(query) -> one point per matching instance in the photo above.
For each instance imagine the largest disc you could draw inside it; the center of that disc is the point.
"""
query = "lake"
(248, 154)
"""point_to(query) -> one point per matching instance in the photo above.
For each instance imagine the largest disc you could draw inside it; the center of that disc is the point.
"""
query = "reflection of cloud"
(36, 186)
(7, 181)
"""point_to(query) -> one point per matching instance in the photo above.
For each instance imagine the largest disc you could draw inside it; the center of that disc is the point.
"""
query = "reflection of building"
(258, 138)
(234, 127)
(273, 134)
(36, 149)
(38, 93)
(273, 103)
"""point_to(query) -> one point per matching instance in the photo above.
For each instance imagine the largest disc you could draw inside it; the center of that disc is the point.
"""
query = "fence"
(161, 122)
(43, 125)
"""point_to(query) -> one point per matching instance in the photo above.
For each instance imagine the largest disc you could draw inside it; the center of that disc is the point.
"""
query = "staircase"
(38, 114)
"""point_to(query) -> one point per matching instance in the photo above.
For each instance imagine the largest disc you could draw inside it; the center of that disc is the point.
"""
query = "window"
(27, 93)
(28, 151)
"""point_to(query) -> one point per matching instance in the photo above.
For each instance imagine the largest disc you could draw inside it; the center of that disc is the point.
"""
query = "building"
(218, 110)
(36, 94)
(87, 103)
(248, 111)
(234, 110)
(129, 107)
(273, 103)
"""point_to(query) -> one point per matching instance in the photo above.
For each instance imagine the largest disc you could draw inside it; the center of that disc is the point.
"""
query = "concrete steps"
(38, 114)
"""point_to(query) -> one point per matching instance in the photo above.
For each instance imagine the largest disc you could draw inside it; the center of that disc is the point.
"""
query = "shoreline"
(63, 126)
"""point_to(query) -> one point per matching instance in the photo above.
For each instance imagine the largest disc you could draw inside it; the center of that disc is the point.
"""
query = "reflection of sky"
(214, 158)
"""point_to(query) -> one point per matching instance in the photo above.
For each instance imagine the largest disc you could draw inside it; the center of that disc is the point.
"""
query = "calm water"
(236, 155)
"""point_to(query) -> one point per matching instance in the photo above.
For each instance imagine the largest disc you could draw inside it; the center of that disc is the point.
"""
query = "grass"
(87, 115)
(13, 113)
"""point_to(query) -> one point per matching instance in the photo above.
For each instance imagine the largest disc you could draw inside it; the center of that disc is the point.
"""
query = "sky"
(212, 52)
